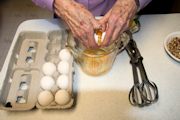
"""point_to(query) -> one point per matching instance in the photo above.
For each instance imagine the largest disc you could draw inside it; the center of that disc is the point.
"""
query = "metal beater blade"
(147, 89)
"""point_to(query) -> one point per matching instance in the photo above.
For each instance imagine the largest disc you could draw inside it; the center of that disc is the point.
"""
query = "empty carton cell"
(31, 47)
(53, 51)
(52, 58)
(56, 36)
(20, 100)
(53, 47)
(56, 40)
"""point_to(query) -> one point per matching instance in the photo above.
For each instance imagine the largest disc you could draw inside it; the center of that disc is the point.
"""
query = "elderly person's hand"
(81, 22)
(117, 19)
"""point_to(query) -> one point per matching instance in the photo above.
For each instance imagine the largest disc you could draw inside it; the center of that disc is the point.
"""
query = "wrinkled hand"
(117, 19)
(81, 22)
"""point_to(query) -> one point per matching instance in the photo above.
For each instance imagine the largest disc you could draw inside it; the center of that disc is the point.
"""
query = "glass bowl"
(96, 61)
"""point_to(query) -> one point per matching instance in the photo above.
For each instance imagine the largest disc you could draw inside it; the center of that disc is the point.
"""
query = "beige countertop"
(106, 97)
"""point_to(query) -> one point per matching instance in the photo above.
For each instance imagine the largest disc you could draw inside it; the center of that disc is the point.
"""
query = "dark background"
(162, 7)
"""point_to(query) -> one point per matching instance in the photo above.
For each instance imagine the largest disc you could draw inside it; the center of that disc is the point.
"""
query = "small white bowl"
(166, 42)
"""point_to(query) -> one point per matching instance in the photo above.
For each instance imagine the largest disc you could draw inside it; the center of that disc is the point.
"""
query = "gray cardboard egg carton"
(22, 82)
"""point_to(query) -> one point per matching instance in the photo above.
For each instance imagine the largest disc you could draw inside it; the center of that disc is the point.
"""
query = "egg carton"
(21, 86)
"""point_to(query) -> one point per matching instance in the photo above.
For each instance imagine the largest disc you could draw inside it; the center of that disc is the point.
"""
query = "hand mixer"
(144, 92)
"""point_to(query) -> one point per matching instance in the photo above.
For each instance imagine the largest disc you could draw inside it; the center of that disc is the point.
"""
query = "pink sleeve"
(44, 3)
(143, 3)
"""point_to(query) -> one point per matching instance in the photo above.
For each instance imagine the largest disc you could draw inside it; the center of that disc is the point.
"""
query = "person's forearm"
(48, 4)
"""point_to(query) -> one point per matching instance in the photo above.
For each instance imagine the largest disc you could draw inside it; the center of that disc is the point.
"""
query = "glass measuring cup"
(96, 61)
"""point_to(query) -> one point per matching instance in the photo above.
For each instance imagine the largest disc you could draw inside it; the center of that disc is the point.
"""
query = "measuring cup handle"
(123, 41)
(134, 25)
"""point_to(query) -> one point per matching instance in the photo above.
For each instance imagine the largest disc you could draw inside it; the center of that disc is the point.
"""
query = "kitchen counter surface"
(106, 97)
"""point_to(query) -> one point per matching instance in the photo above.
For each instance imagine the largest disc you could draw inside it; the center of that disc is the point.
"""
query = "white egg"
(63, 82)
(63, 67)
(96, 37)
(102, 37)
(49, 68)
(47, 82)
(64, 54)
(45, 98)
(62, 97)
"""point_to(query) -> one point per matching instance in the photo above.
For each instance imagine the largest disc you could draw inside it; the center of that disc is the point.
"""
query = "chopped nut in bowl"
(172, 45)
